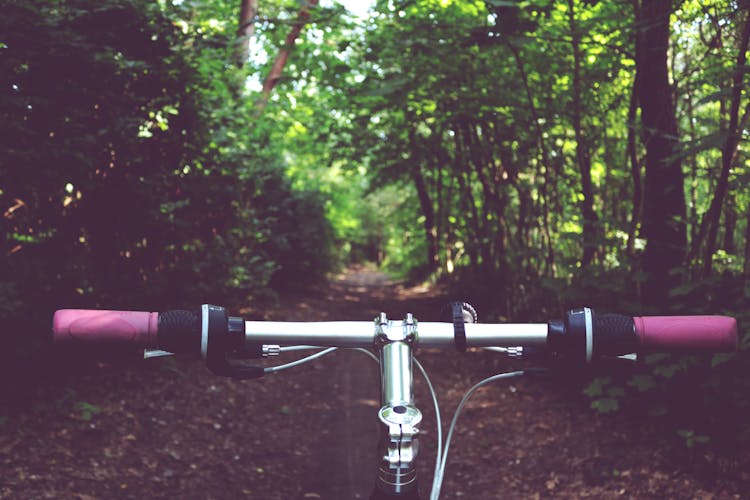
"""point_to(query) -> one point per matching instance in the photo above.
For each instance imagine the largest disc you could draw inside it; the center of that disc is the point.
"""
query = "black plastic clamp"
(223, 335)
(459, 331)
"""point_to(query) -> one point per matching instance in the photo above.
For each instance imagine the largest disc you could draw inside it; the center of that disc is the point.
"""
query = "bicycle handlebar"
(221, 340)
(210, 332)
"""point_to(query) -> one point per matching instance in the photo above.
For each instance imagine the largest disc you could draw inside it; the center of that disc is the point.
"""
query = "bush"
(124, 181)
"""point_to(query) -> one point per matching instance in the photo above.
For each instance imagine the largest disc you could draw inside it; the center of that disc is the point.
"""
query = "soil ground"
(168, 428)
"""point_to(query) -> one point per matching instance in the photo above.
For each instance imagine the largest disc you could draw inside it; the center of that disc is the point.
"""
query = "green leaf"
(652, 359)
(684, 433)
(717, 96)
(605, 405)
(615, 392)
(691, 438)
(596, 387)
(385, 87)
(667, 371)
(642, 382)
(721, 358)
(87, 410)
(501, 3)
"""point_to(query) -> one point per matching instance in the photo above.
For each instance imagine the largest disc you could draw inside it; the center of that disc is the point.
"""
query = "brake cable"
(442, 449)
(437, 480)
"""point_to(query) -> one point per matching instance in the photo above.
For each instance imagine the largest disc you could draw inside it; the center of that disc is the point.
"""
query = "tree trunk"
(303, 16)
(245, 30)
(664, 197)
(583, 156)
(433, 262)
(466, 196)
(693, 161)
(494, 201)
(425, 203)
(730, 224)
(544, 167)
(482, 235)
(635, 168)
(730, 147)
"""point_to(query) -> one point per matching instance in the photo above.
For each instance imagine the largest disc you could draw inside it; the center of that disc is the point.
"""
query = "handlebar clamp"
(459, 313)
(220, 336)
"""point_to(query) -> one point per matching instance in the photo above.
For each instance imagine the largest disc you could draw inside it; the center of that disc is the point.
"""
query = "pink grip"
(121, 327)
(687, 333)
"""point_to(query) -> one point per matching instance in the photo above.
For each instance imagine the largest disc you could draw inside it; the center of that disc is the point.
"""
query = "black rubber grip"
(614, 335)
(180, 331)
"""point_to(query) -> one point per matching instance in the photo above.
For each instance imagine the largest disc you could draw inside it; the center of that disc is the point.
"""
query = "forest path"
(167, 428)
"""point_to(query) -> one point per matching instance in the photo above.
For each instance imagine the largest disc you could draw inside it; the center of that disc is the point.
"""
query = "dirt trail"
(167, 428)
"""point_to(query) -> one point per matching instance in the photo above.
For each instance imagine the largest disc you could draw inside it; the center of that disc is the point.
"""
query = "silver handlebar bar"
(363, 333)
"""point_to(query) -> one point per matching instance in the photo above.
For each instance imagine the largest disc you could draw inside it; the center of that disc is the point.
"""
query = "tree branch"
(303, 17)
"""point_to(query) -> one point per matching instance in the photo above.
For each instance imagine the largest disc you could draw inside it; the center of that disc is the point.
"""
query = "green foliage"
(642, 383)
(132, 174)
(702, 399)
(692, 439)
(153, 189)
(86, 411)
(605, 395)
(605, 405)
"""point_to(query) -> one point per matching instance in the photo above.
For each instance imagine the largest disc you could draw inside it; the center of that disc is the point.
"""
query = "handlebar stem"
(400, 417)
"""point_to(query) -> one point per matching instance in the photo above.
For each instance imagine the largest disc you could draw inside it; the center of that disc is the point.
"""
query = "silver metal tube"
(484, 334)
(362, 334)
(397, 473)
(396, 374)
(317, 333)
